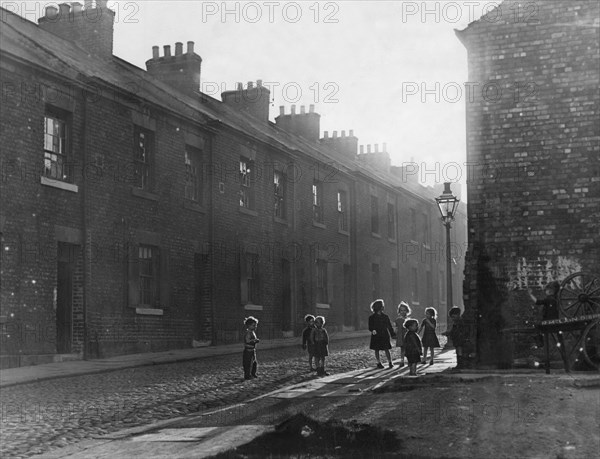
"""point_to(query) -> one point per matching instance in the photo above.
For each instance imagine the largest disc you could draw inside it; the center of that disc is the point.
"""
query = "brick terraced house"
(533, 146)
(139, 214)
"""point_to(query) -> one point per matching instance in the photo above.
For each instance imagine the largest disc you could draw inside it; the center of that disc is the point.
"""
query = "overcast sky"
(363, 64)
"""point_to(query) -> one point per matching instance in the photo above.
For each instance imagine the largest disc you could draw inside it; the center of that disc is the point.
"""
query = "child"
(306, 344)
(412, 345)
(320, 339)
(458, 335)
(403, 313)
(381, 330)
(429, 337)
(250, 340)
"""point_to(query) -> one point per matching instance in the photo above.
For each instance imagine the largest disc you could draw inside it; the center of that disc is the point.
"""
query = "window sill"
(392, 240)
(319, 225)
(344, 232)
(253, 307)
(59, 184)
(426, 246)
(281, 221)
(376, 235)
(243, 210)
(323, 306)
(144, 194)
(149, 311)
(193, 205)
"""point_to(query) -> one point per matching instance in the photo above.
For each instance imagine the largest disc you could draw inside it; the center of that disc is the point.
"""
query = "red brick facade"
(122, 222)
(533, 150)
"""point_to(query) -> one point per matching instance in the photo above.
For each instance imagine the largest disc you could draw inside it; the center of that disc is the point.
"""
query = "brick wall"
(534, 183)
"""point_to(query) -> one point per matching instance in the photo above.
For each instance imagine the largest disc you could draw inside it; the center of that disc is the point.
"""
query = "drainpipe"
(84, 214)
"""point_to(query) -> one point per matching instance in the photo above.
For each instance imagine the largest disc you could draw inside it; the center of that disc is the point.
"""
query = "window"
(375, 280)
(249, 278)
(342, 207)
(56, 146)
(426, 229)
(246, 183)
(193, 174)
(143, 157)
(415, 285)
(413, 224)
(391, 221)
(279, 194)
(148, 269)
(317, 192)
(322, 281)
(395, 287)
(374, 215)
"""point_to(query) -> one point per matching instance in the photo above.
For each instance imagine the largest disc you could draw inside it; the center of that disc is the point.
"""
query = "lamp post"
(447, 203)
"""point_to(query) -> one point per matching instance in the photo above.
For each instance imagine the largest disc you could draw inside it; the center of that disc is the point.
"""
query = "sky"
(391, 71)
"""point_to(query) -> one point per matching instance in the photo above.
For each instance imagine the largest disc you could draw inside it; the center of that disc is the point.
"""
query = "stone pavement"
(183, 438)
(28, 374)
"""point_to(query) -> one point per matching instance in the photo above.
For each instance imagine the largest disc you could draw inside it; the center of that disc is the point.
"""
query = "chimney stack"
(346, 144)
(377, 159)
(254, 100)
(181, 71)
(303, 124)
(90, 29)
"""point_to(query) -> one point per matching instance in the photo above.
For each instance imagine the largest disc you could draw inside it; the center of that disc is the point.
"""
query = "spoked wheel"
(591, 344)
(579, 295)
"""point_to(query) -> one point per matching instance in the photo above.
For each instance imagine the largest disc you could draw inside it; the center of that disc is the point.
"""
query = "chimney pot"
(178, 48)
(282, 110)
(155, 54)
(101, 3)
(88, 4)
(240, 86)
(51, 12)
(259, 83)
(362, 149)
(335, 134)
(376, 148)
(369, 148)
(250, 84)
(77, 7)
(302, 110)
(343, 133)
(311, 108)
(293, 109)
(326, 134)
(64, 9)
(351, 134)
(167, 49)
(190, 47)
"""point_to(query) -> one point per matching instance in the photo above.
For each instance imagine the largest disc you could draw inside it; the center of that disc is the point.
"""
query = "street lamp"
(447, 203)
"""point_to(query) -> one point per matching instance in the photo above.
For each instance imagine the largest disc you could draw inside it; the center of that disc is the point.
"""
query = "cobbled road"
(45, 415)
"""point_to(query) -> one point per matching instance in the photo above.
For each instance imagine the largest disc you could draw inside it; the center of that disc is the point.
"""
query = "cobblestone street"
(41, 416)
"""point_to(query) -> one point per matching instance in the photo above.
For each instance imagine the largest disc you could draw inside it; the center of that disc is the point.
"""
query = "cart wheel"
(591, 344)
(579, 295)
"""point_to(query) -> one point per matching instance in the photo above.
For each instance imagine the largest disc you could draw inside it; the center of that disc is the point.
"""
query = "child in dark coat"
(381, 330)
(458, 335)
(320, 339)
(306, 343)
(412, 345)
(403, 313)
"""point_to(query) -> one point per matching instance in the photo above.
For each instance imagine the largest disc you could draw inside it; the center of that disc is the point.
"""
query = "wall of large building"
(533, 150)
(95, 262)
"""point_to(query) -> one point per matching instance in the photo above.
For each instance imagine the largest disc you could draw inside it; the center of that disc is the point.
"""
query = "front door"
(64, 296)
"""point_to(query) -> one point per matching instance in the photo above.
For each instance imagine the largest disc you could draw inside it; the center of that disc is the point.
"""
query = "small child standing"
(457, 334)
(430, 339)
(412, 345)
(306, 343)
(320, 339)
(403, 313)
(381, 330)
(250, 340)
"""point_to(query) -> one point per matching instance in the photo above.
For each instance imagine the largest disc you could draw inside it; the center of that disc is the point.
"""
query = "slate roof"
(28, 42)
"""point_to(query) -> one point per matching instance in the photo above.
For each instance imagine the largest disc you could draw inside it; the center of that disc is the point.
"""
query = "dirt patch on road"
(302, 436)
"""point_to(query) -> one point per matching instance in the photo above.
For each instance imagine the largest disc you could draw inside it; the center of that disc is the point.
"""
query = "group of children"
(316, 340)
